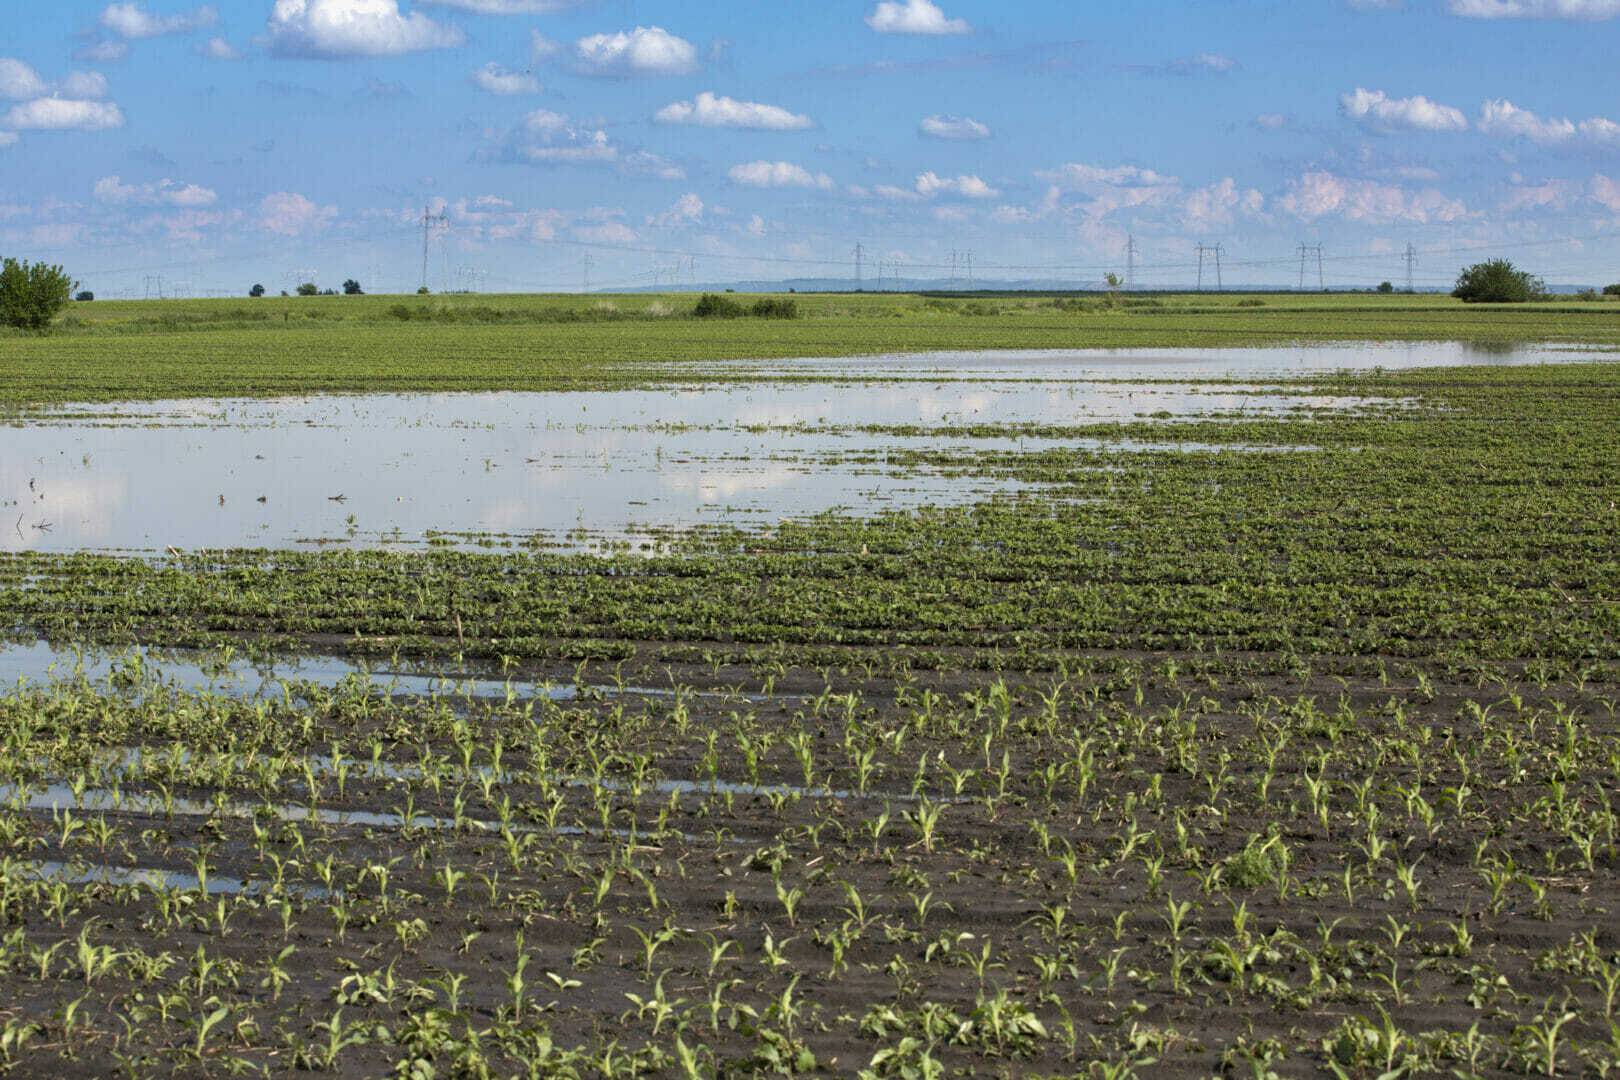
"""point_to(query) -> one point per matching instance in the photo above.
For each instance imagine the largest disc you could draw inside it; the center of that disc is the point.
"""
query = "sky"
(150, 146)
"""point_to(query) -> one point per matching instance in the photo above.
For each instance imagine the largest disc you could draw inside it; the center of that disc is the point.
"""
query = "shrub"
(31, 294)
(1251, 301)
(84, 297)
(1588, 294)
(775, 308)
(1386, 287)
(711, 306)
(400, 312)
(309, 288)
(1497, 282)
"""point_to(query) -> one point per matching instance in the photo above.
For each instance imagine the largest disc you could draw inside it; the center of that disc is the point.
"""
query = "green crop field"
(112, 351)
(1237, 742)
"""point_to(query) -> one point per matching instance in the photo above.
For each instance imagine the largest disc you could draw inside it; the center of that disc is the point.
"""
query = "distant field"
(127, 350)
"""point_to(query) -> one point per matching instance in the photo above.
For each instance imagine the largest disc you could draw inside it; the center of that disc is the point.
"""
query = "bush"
(1386, 287)
(84, 297)
(774, 308)
(1497, 282)
(1611, 290)
(1588, 294)
(711, 306)
(31, 295)
(309, 288)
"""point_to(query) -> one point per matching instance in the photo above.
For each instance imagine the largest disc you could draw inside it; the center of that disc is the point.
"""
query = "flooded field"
(1164, 713)
(579, 470)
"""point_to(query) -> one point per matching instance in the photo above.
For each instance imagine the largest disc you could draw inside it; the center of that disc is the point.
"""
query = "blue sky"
(276, 140)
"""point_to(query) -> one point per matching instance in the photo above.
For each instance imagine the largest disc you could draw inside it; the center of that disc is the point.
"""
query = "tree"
(1611, 290)
(309, 288)
(1497, 282)
(84, 297)
(256, 292)
(31, 295)
(352, 288)
(1386, 287)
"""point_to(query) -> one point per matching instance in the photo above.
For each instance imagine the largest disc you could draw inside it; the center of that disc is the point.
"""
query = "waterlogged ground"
(1158, 715)
(578, 470)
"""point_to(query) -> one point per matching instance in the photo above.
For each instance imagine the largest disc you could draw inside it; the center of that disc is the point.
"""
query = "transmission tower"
(860, 259)
(1217, 250)
(1411, 261)
(970, 269)
(589, 262)
(1305, 252)
(1131, 252)
(431, 223)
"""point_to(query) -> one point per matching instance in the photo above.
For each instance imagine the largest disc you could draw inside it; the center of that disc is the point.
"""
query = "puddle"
(1261, 362)
(580, 470)
(163, 880)
(57, 797)
(42, 663)
(131, 763)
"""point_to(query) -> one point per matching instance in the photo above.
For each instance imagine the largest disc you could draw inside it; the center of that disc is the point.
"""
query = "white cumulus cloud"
(1092, 178)
(19, 81)
(930, 184)
(84, 84)
(219, 49)
(1378, 111)
(113, 191)
(688, 210)
(1506, 120)
(953, 127)
(646, 50)
(495, 79)
(1586, 10)
(1217, 205)
(507, 7)
(914, 17)
(334, 29)
(288, 213)
(133, 22)
(712, 110)
(779, 174)
(1606, 192)
(1321, 194)
(63, 114)
(550, 138)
